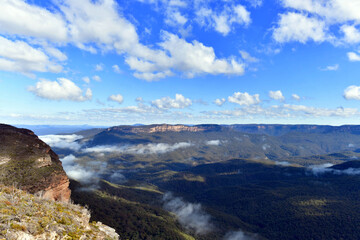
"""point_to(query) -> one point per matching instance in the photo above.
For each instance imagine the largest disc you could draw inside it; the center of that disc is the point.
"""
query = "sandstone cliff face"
(28, 163)
(164, 128)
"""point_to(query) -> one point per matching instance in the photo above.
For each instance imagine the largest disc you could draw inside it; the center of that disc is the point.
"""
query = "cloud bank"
(151, 148)
(326, 168)
(62, 141)
(238, 235)
(190, 215)
(88, 175)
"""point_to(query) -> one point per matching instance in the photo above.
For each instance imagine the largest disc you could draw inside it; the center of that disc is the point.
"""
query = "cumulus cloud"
(244, 98)
(223, 21)
(62, 89)
(220, 101)
(116, 98)
(353, 57)
(307, 20)
(276, 95)
(19, 56)
(20, 18)
(116, 69)
(151, 148)
(110, 31)
(352, 93)
(333, 11)
(168, 103)
(63, 141)
(351, 33)
(190, 215)
(299, 27)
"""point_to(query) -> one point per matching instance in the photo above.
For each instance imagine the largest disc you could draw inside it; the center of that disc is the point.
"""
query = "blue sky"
(108, 62)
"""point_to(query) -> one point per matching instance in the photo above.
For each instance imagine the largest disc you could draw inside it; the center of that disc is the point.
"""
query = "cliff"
(29, 164)
(165, 128)
(25, 216)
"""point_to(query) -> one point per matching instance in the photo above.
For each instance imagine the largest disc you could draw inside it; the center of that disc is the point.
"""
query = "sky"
(113, 62)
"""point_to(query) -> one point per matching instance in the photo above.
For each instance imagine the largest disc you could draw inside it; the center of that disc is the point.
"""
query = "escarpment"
(158, 128)
(29, 164)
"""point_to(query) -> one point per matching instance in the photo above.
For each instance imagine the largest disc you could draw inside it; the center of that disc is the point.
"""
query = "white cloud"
(62, 141)
(63, 89)
(108, 29)
(85, 174)
(167, 103)
(296, 97)
(287, 111)
(18, 56)
(239, 235)
(195, 58)
(56, 53)
(334, 11)
(247, 57)
(223, 21)
(190, 215)
(244, 98)
(96, 78)
(351, 34)
(299, 27)
(99, 67)
(321, 112)
(116, 68)
(174, 18)
(320, 17)
(220, 101)
(284, 164)
(353, 57)
(213, 142)
(326, 168)
(276, 95)
(157, 148)
(20, 18)
(116, 98)
(331, 68)
(352, 93)
(86, 79)
(151, 148)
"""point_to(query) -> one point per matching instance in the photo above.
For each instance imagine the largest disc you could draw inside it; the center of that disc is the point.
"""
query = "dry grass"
(25, 215)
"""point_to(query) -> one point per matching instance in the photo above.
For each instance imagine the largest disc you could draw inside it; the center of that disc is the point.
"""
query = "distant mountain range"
(208, 143)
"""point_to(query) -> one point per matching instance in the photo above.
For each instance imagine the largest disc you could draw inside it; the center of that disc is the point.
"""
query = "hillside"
(30, 164)
(25, 216)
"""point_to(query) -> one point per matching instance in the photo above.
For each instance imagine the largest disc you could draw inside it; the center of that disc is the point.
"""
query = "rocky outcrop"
(28, 163)
(25, 216)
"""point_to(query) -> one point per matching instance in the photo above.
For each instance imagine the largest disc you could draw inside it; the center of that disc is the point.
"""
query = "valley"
(217, 181)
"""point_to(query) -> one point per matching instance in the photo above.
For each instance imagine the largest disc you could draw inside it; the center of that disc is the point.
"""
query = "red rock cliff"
(30, 164)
